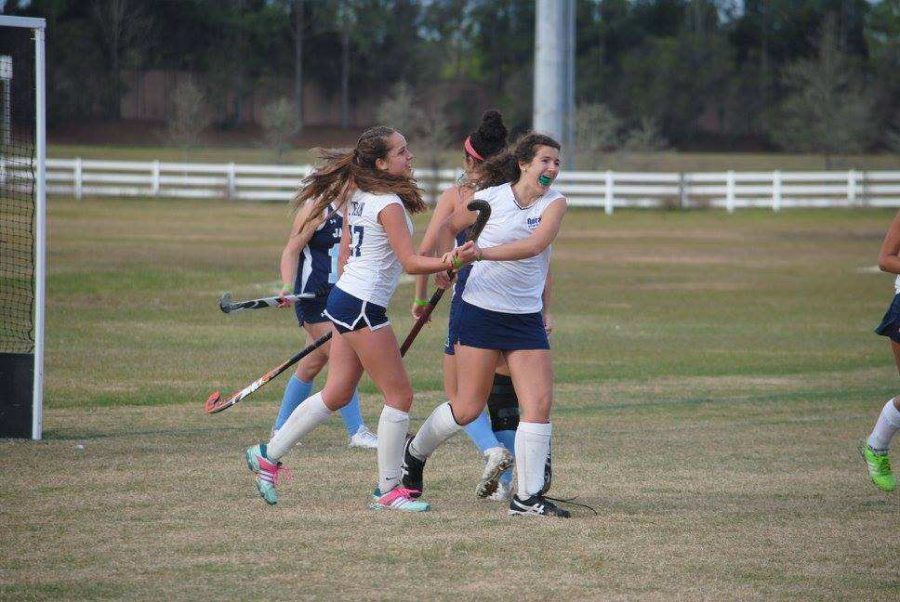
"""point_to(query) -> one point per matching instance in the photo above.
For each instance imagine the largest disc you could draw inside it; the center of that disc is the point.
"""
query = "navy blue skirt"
(453, 326)
(311, 311)
(348, 313)
(890, 323)
(488, 329)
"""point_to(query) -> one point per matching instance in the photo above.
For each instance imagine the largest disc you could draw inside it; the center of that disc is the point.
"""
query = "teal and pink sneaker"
(266, 472)
(399, 498)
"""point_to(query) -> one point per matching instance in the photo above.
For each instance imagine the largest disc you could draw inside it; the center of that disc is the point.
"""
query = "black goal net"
(17, 190)
(20, 396)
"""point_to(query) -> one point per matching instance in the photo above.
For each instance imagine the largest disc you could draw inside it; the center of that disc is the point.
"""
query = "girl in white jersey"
(375, 191)
(875, 449)
(493, 431)
(500, 316)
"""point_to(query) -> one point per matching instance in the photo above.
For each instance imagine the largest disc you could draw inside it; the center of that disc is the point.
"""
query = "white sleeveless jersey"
(513, 287)
(372, 270)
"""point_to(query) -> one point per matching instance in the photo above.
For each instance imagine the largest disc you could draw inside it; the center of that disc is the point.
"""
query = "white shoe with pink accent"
(399, 498)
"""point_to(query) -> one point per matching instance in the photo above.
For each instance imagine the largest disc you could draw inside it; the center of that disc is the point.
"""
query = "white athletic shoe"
(503, 493)
(364, 438)
(496, 460)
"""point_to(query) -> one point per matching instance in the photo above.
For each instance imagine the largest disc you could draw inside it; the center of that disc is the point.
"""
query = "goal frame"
(38, 28)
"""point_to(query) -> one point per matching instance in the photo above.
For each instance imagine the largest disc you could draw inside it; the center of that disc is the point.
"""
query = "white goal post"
(22, 356)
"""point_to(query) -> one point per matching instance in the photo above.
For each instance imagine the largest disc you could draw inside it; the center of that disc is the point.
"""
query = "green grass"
(713, 374)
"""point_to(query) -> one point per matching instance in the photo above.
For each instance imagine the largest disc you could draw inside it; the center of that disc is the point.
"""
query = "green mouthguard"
(544, 180)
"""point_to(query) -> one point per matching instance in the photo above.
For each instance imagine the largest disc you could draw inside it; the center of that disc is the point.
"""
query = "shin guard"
(503, 404)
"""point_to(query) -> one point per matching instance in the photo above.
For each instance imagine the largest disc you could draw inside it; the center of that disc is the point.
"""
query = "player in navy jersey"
(309, 264)
(493, 431)
(372, 186)
(500, 316)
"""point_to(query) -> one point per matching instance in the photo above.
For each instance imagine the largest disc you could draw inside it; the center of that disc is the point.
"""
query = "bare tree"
(188, 116)
(892, 136)
(646, 138)
(398, 110)
(346, 18)
(299, 25)
(280, 123)
(122, 24)
(425, 123)
(596, 131)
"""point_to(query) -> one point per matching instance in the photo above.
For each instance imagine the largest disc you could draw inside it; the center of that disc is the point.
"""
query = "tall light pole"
(554, 73)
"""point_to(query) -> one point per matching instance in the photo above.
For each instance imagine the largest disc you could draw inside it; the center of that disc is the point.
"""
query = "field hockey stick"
(228, 306)
(215, 403)
(484, 213)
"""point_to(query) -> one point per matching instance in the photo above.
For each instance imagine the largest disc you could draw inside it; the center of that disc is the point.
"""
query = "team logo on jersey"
(356, 208)
(533, 222)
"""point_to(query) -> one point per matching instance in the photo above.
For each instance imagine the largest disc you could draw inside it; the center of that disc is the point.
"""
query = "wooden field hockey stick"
(216, 404)
(484, 213)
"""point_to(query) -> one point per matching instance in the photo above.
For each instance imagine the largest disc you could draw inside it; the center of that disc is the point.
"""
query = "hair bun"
(492, 127)
(490, 137)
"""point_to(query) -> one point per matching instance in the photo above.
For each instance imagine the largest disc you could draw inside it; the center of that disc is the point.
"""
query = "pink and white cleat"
(399, 498)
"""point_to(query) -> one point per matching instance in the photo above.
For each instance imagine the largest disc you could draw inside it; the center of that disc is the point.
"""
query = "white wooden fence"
(610, 190)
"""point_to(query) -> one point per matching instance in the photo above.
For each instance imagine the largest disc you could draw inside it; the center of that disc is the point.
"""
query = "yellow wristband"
(456, 262)
(286, 289)
(420, 302)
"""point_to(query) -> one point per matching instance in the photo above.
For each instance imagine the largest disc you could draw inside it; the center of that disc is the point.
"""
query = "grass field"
(714, 373)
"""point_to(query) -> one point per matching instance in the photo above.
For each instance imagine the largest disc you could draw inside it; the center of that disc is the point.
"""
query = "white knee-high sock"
(308, 415)
(437, 428)
(392, 428)
(887, 424)
(532, 448)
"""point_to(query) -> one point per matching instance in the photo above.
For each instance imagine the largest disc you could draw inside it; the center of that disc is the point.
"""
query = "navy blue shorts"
(311, 311)
(890, 323)
(349, 313)
(487, 329)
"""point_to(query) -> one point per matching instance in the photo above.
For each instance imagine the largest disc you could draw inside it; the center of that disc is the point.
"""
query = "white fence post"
(232, 181)
(851, 187)
(609, 192)
(729, 191)
(78, 179)
(154, 179)
(776, 190)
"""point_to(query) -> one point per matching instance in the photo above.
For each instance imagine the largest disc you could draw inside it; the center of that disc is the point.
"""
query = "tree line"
(802, 75)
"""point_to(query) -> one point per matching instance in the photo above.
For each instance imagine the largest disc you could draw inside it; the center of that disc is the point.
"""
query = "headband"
(471, 149)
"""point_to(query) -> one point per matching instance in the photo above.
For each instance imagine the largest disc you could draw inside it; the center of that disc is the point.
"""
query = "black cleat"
(536, 505)
(412, 471)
